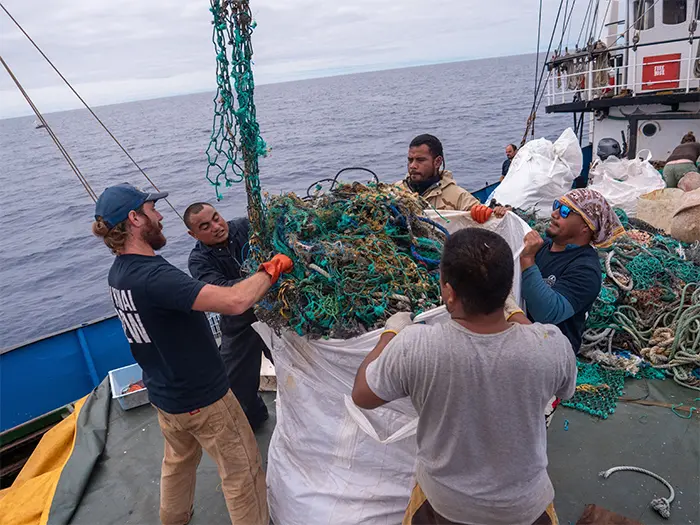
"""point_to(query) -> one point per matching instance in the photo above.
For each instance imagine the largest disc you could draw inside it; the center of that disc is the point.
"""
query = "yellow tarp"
(28, 500)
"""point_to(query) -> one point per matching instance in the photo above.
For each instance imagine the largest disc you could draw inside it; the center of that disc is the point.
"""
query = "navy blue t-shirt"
(575, 273)
(173, 344)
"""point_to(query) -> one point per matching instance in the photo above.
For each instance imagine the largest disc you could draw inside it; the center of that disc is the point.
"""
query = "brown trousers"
(421, 512)
(222, 430)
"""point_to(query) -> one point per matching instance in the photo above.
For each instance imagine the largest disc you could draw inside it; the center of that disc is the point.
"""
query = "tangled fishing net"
(235, 144)
(646, 319)
(361, 253)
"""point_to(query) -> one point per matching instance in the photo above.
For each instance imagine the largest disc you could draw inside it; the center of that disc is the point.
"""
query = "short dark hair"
(193, 209)
(688, 137)
(478, 264)
(433, 143)
(515, 148)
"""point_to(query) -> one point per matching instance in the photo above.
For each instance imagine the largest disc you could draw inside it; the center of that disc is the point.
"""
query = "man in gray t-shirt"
(480, 385)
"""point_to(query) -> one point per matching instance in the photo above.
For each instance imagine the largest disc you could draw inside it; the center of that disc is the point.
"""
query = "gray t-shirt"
(482, 443)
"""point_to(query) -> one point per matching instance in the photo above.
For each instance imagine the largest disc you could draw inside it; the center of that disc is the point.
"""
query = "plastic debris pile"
(646, 319)
(361, 253)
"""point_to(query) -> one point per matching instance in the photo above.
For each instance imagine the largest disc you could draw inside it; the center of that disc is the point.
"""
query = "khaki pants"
(222, 430)
(421, 512)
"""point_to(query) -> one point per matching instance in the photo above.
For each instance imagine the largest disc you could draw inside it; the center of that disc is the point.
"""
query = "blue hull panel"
(43, 375)
(484, 192)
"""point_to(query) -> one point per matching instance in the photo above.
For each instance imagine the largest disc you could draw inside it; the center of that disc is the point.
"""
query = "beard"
(153, 236)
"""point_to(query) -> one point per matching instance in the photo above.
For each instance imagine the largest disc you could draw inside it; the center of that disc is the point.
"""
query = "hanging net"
(235, 144)
(361, 252)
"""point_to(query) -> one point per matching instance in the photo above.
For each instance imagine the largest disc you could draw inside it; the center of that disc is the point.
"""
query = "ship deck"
(124, 487)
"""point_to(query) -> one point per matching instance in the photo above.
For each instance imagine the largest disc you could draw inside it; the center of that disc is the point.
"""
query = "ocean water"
(53, 272)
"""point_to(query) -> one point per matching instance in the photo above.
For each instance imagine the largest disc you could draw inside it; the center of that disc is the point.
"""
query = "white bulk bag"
(622, 182)
(329, 462)
(541, 172)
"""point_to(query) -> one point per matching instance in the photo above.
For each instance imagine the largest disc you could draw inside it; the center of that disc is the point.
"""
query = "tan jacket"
(446, 195)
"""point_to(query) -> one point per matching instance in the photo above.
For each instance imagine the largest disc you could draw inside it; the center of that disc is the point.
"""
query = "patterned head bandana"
(597, 214)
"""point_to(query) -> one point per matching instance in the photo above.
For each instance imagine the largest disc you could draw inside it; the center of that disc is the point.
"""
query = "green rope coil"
(652, 292)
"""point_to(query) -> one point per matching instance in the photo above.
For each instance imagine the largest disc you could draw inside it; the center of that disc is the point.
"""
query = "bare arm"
(233, 300)
(520, 318)
(362, 394)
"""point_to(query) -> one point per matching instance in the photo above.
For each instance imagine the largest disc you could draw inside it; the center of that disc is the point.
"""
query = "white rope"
(660, 505)
(608, 267)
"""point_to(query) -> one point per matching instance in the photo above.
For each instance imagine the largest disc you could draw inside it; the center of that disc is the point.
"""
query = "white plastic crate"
(123, 377)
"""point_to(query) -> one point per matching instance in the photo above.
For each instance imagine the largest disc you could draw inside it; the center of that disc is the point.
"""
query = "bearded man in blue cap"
(162, 311)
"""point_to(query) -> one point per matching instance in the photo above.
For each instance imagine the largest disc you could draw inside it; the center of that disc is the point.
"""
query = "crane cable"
(88, 108)
(539, 75)
(60, 147)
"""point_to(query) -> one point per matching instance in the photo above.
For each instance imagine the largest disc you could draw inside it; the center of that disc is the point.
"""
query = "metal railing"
(580, 81)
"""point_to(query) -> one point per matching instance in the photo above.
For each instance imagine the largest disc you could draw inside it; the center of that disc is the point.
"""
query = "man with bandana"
(561, 276)
(428, 177)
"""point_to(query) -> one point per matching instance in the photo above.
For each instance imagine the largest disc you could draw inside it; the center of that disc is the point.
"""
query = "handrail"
(585, 53)
(558, 89)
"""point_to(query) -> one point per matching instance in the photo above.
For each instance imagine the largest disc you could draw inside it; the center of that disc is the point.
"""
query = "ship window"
(674, 11)
(644, 14)
(649, 129)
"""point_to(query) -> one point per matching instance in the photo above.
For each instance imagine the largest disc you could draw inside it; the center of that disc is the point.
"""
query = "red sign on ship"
(661, 72)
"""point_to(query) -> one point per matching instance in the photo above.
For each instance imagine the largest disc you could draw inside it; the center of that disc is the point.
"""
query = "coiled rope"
(660, 505)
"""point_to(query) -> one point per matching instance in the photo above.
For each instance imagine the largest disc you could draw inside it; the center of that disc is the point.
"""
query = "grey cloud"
(117, 51)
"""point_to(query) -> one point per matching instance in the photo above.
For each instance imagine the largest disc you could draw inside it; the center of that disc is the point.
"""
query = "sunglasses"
(564, 210)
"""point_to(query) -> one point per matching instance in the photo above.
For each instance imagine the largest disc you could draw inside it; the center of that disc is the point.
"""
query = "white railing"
(579, 80)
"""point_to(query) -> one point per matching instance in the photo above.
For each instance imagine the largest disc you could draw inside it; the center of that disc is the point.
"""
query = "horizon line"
(327, 73)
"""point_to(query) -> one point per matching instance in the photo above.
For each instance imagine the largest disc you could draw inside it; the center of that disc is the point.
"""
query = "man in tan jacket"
(427, 177)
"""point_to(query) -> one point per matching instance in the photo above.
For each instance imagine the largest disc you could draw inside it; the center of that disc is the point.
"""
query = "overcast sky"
(134, 49)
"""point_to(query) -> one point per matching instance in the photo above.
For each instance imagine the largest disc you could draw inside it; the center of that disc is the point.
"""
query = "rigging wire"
(60, 147)
(568, 35)
(539, 74)
(568, 13)
(567, 23)
(594, 23)
(563, 27)
(549, 48)
(641, 16)
(537, 56)
(605, 17)
(583, 23)
(88, 108)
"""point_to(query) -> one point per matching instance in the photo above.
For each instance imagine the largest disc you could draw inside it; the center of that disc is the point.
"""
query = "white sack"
(330, 462)
(623, 181)
(511, 227)
(541, 172)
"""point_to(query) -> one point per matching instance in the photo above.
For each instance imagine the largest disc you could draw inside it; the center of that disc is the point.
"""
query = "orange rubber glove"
(276, 266)
(481, 213)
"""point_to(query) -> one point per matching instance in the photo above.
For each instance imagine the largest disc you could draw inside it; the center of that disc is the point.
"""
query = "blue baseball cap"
(116, 202)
